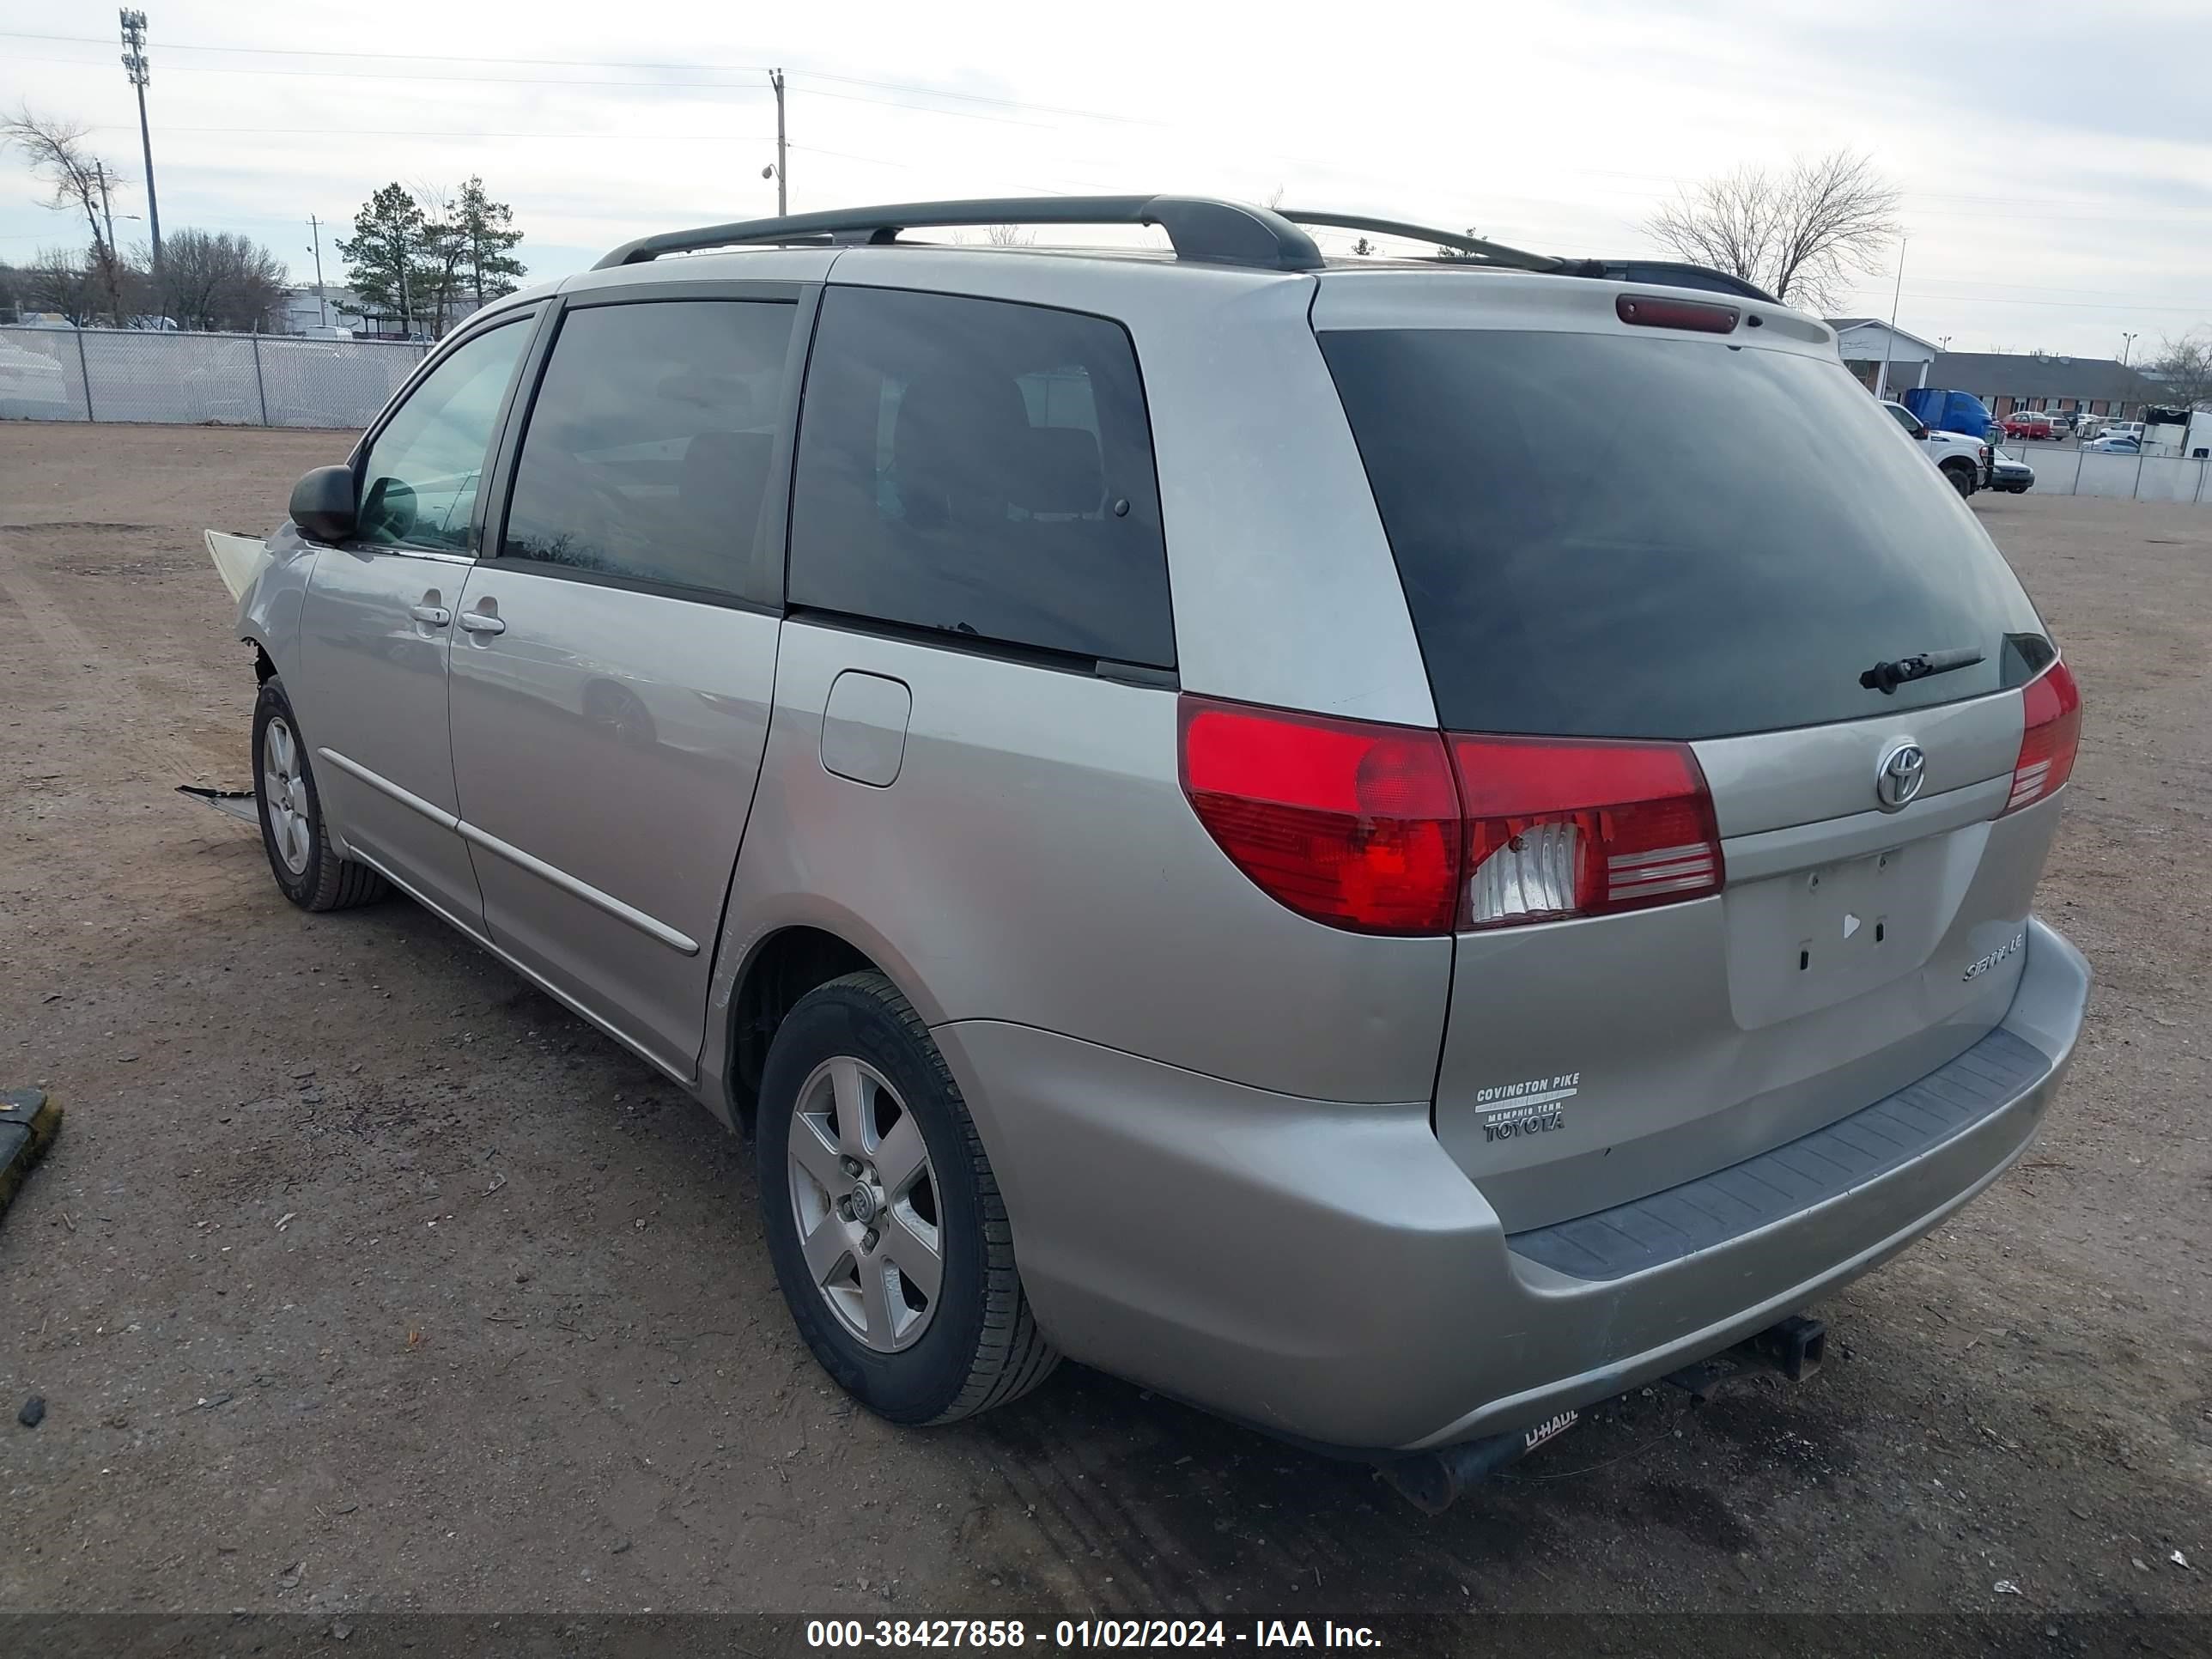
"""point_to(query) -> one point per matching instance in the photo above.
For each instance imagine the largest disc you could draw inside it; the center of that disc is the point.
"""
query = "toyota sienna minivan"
(1288, 829)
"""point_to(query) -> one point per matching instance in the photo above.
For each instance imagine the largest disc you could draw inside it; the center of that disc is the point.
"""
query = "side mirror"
(322, 503)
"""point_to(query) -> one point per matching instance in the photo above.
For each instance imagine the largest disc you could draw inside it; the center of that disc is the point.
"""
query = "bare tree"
(443, 251)
(1010, 236)
(2183, 368)
(58, 158)
(62, 279)
(218, 280)
(1800, 233)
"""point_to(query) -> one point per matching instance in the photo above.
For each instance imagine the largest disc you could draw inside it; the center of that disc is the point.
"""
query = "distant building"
(1885, 360)
(2007, 381)
(300, 311)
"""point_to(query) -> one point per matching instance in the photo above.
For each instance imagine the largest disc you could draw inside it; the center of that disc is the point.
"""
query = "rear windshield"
(1602, 536)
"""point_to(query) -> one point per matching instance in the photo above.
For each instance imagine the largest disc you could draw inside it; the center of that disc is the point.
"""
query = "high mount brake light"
(1655, 311)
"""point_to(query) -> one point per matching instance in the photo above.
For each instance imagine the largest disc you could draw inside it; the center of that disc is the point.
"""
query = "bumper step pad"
(1666, 1226)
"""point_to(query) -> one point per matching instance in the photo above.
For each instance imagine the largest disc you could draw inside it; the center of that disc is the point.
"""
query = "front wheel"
(308, 871)
(1961, 477)
(884, 1220)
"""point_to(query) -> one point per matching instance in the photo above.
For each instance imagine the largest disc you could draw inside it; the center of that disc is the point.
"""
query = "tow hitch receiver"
(1792, 1349)
(1432, 1481)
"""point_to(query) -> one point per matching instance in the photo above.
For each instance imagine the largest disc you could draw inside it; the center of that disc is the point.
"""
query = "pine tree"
(487, 229)
(383, 255)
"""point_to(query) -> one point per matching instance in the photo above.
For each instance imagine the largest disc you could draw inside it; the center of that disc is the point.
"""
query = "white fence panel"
(2057, 470)
(332, 382)
(2170, 478)
(233, 379)
(2108, 474)
(41, 377)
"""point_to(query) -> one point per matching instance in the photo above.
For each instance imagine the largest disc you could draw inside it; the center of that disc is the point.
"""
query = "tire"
(307, 870)
(977, 1345)
(1961, 477)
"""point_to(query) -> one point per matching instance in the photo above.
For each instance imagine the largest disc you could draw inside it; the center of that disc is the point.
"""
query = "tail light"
(1350, 823)
(1656, 311)
(2050, 740)
(1558, 829)
(1390, 829)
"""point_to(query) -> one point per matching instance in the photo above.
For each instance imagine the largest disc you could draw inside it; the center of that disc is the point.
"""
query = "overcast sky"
(2056, 158)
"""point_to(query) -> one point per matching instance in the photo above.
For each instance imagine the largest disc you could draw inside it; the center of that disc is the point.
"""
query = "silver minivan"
(1287, 828)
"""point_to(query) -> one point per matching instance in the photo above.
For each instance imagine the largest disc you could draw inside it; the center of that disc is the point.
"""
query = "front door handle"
(435, 615)
(482, 622)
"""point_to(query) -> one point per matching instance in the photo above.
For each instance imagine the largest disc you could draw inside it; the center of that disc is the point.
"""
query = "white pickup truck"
(1965, 461)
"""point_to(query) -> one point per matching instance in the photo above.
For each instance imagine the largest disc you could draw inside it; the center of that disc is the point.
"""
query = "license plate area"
(1828, 932)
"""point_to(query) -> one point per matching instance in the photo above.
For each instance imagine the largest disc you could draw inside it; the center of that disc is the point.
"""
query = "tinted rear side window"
(1602, 536)
(647, 452)
(981, 468)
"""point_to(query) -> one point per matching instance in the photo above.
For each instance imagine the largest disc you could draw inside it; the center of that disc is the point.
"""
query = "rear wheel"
(884, 1222)
(310, 873)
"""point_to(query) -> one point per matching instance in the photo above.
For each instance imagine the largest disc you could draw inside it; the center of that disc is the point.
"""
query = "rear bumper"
(1326, 1271)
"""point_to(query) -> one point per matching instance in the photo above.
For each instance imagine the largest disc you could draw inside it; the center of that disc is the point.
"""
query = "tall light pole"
(134, 65)
(1881, 381)
(2127, 345)
(782, 195)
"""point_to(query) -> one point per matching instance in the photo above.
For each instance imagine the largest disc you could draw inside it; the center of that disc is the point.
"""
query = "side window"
(982, 468)
(419, 486)
(646, 455)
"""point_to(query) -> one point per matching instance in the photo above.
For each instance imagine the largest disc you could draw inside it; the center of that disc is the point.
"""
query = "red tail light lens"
(1558, 829)
(1350, 823)
(2050, 739)
(1655, 311)
(1390, 829)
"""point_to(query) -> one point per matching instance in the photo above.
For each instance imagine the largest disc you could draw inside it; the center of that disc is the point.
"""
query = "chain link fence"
(248, 379)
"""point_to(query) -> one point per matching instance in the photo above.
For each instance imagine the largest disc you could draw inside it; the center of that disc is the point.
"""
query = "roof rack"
(1673, 273)
(1663, 272)
(1199, 227)
(1496, 253)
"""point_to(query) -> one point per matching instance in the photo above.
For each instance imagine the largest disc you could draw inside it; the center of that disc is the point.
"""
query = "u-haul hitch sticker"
(1534, 1106)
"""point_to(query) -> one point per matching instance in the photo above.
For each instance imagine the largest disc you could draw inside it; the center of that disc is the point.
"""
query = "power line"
(470, 80)
(576, 63)
(429, 132)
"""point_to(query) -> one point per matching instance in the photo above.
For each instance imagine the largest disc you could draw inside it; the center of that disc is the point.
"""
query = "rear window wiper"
(1886, 677)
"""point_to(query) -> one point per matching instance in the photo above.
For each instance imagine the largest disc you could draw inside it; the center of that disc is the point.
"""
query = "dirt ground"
(364, 1277)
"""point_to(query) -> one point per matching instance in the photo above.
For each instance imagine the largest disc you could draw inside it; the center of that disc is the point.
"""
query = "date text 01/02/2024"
(1084, 1633)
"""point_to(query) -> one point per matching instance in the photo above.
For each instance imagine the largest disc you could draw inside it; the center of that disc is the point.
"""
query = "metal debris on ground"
(34, 1413)
(231, 803)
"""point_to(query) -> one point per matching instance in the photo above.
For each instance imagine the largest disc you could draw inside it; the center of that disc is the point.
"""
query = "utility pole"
(1881, 383)
(783, 194)
(100, 171)
(134, 65)
(321, 304)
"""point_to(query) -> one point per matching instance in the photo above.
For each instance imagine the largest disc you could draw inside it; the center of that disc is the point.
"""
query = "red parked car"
(2029, 424)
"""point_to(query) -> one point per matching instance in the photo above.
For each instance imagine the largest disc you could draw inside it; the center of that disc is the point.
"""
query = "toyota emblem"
(1904, 769)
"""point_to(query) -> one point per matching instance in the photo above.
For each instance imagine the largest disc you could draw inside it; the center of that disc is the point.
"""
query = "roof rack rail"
(1200, 227)
(1667, 272)
(1496, 253)
(1673, 273)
